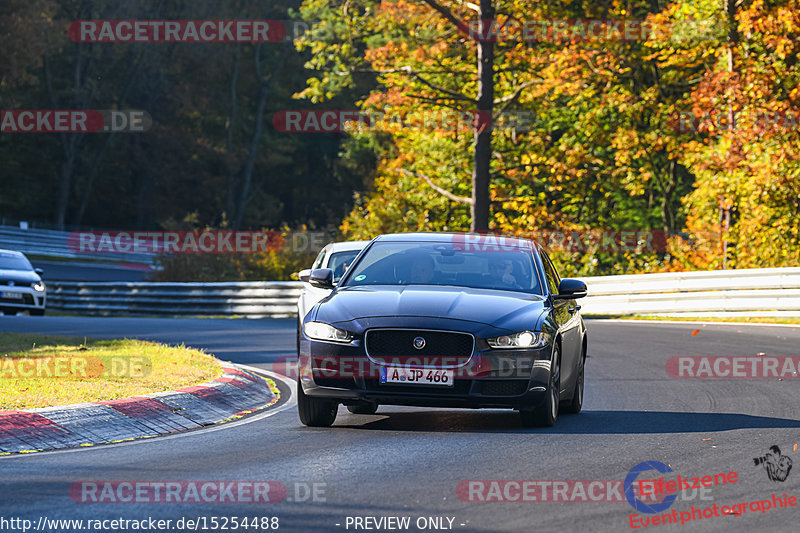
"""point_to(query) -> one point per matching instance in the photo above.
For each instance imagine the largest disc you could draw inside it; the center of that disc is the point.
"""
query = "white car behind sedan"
(337, 256)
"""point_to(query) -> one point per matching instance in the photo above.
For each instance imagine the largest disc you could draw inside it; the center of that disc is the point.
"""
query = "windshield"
(404, 263)
(14, 262)
(340, 261)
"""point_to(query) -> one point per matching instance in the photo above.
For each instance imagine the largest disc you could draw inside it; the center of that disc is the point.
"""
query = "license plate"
(442, 377)
(11, 295)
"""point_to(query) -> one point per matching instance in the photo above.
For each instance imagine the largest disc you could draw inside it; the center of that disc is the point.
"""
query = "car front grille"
(513, 387)
(441, 348)
(27, 299)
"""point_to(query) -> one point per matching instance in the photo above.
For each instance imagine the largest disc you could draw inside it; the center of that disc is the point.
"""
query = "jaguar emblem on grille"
(11, 284)
(419, 343)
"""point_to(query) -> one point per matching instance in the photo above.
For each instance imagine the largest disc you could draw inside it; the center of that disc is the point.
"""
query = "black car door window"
(550, 273)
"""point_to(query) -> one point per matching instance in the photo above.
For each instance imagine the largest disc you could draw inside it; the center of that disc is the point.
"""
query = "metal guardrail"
(746, 292)
(252, 299)
(53, 243)
(751, 292)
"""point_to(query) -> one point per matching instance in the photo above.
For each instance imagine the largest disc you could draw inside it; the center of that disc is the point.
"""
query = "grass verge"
(46, 370)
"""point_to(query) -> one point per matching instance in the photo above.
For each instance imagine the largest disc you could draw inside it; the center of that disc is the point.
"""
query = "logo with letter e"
(630, 480)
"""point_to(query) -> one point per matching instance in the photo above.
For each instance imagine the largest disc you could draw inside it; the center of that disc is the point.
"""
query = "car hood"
(19, 277)
(494, 307)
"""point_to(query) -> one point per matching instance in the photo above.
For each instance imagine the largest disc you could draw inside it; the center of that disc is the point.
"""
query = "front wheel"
(315, 412)
(546, 414)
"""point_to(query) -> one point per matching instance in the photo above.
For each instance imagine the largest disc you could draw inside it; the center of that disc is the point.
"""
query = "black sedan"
(444, 319)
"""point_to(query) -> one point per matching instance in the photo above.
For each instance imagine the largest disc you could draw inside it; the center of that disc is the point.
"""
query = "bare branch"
(509, 99)
(516, 92)
(443, 192)
(452, 94)
(447, 14)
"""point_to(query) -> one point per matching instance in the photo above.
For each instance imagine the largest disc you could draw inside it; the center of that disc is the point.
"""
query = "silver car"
(21, 285)
(337, 256)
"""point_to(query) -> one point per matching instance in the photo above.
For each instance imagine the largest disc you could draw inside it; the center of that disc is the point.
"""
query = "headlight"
(38, 286)
(523, 339)
(325, 332)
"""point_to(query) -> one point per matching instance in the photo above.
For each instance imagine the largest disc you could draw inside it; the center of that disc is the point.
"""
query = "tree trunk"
(481, 175)
(65, 179)
(247, 173)
(247, 177)
(230, 156)
(667, 216)
(70, 142)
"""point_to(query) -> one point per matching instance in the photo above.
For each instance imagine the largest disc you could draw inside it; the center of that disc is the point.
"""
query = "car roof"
(347, 246)
(12, 252)
(463, 238)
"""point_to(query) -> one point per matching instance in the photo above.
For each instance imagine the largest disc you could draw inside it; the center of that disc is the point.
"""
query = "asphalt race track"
(408, 462)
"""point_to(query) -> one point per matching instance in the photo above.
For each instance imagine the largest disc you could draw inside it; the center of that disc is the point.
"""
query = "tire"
(574, 405)
(546, 414)
(365, 408)
(315, 412)
(37, 312)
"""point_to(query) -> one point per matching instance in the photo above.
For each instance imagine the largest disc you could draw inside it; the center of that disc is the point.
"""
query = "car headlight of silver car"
(38, 286)
(522, 339)
(325, 332)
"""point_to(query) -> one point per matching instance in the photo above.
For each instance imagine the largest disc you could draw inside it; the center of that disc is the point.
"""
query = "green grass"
(45, 370)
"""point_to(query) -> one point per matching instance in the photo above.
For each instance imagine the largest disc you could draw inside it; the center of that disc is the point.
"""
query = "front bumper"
(492, 378)
(31, 299)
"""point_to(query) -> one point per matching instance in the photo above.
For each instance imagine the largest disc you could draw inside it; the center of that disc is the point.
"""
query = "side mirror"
(569, 289)
(321, 278)
(303, 274)
(39, 271)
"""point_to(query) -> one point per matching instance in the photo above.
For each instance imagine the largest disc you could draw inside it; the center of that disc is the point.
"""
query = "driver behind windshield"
(422, 268)
(500, 272)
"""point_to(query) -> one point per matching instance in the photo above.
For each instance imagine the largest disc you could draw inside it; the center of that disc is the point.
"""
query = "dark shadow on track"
(585, 423)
